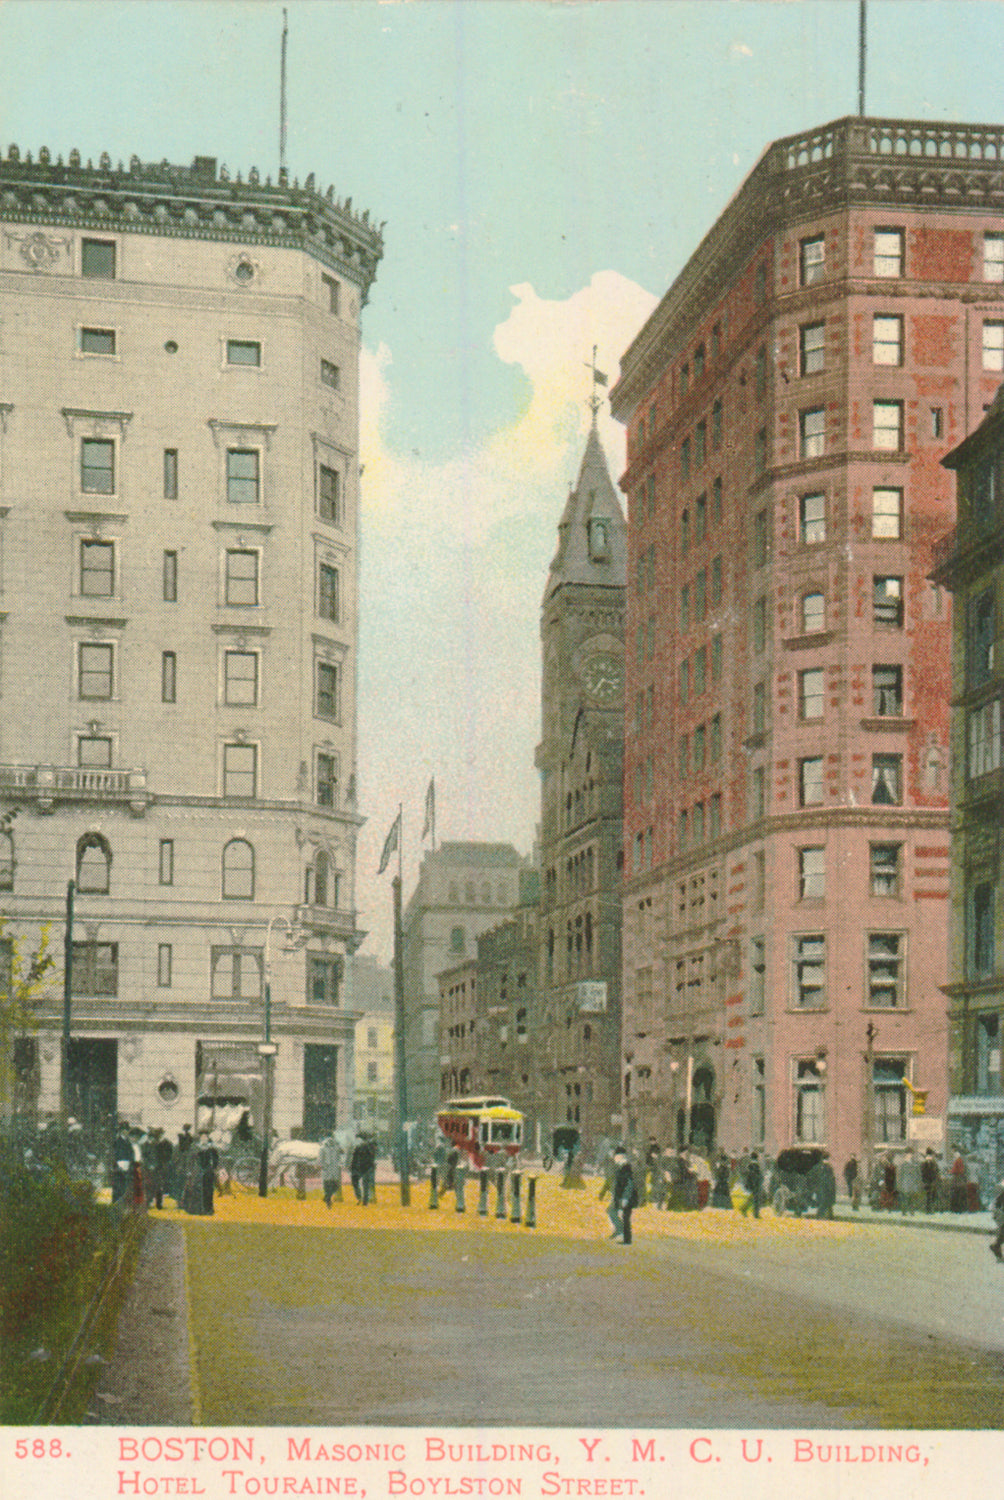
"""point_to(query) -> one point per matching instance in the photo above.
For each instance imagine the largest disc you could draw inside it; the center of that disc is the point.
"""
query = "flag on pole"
(390, 843)
(599, 377)
(430, 810)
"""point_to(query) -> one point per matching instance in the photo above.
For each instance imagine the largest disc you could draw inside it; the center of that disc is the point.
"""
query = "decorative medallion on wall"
(168, 1090)
(41, 251)
(243, 270)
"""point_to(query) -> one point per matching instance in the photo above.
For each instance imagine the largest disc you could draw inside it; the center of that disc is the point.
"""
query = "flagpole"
(399, 1051)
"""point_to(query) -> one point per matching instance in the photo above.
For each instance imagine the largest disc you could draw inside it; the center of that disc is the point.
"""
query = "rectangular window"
(937, 422)
(170, 578)
(982, 961)
(758, 976)
(685, 459)
(236, 973)
(760, 451)
(758, 1109)
(887, 426)
(887, 511)
(327, 493)
(97, 570)
(760, 539)
(759, 630)
(715, 739)
(241, 586)
(164, 957)
(715, 815)
(327, 690)
(984, 737)
(699, 745)
(95, 968)
(813, 613)
(716, 658)
(716, 426)
(887, 780)
(240, 770)
(885, 970)
(700, 671)
(684, 681)
(993, 257)
(716, 501)
(887, 600)
(166, 874)
(758, 879)
(809, 971)
(697, 822)
(698, 362)
(94, 750)
(810, 1122)
(327, 780)
(700, 444)
(993, 345)
(887, 692)
(884, 861)
(889, 1098)
(700, 518)
(887, 340)
(97, 466)
(240, 678)
(327, 606)
(812, 432)
(716, 582)
(243, 352)
(685, 607)
(170, 473)
(97, 340)
(650, 644)
(684, 380)
(811, 348)
(810, 693)
(168, 677)
(758, 793)
(685, 532)
(650, 494)
(331, 286)
(96, 665)
(243, 478)
(323, 976)
(683, 756)
(330, 374)
(97, 258)
(812, 260)
(759, 708)
(810, 781)
(812, 874)
(888, 252)
(812, 519)
(701, 595)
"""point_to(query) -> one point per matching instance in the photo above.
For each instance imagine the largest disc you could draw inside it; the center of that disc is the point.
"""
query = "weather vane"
(595, 401)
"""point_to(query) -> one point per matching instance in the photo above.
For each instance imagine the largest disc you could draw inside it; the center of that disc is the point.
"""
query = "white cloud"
(454, 558)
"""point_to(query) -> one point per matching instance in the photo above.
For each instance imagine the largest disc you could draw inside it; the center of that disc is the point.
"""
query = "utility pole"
(64, 1077)
(867, 1125)
(399, 1048)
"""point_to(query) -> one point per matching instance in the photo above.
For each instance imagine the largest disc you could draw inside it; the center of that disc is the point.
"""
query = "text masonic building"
(786, 752)
(179, 509)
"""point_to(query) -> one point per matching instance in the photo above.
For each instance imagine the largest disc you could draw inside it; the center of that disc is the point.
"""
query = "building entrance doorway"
(92, 1079)
(320, 1090)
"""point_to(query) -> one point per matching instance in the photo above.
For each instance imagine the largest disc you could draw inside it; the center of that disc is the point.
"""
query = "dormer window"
(599, 540)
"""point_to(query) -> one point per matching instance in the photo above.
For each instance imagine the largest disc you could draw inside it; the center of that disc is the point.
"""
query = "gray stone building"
(580, 758)
(179, 511)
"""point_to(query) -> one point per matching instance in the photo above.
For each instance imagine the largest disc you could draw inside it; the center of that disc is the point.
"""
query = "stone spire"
(592, 535)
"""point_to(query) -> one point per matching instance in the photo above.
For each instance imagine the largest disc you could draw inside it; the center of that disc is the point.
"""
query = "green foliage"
(55, 1244)
(23, 984)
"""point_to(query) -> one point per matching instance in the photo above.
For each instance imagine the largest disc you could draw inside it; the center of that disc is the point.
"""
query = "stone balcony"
(45, 786)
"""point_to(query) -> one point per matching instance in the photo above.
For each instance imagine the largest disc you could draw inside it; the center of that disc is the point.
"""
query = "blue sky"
(545, 169)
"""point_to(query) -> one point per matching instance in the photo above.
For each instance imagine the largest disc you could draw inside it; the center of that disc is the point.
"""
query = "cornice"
(849, 163)
(195, 202)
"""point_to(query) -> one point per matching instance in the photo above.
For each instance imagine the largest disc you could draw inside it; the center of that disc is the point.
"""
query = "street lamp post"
(267, 1049)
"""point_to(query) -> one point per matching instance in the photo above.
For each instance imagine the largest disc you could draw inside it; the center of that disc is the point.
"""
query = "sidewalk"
(968, 1223)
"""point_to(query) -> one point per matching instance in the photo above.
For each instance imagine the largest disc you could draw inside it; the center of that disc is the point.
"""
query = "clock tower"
(580, 759)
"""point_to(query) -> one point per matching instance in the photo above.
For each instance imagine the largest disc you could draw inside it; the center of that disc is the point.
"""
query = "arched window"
(94, 864)
(238, 871)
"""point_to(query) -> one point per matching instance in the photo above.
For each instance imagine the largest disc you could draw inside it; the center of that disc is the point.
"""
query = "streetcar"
(486, 1128)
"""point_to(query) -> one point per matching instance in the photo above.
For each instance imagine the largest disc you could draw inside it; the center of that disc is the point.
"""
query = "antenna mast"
(282, 99)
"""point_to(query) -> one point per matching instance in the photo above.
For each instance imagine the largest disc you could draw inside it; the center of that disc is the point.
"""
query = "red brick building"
(788, 666)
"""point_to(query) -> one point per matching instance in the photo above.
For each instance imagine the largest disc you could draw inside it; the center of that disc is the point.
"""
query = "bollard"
(483, 1196)
(530, 1222)
(500, 1195)
(433, 1188)
(459, 1178)
(515, 1216)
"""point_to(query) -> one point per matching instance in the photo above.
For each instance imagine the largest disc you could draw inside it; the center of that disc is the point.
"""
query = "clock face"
(603, 677)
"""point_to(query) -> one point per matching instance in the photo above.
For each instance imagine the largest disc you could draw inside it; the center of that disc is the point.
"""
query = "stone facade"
(970, 562)
(580, 758)
(179, 512)
(786, 779)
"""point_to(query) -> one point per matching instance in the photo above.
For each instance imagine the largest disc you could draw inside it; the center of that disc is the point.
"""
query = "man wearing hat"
(623, 1197)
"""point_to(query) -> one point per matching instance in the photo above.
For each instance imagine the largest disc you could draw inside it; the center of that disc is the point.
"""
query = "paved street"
(392, 1317)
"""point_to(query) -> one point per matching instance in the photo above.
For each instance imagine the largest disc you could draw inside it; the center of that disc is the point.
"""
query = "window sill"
(879, 723)
(813, 639)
